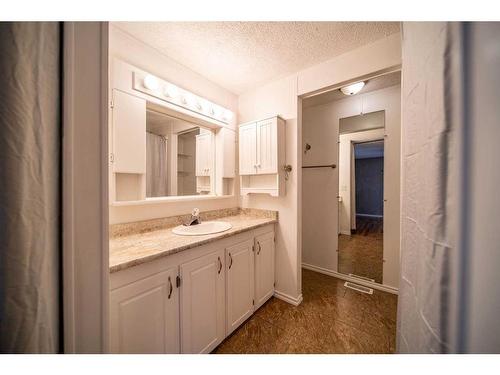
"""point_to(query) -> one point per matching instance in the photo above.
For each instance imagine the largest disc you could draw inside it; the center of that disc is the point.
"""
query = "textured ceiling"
(241, 55)
(377, 83)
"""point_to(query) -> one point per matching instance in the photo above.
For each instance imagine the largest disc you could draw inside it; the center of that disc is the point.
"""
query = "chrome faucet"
(195, 218)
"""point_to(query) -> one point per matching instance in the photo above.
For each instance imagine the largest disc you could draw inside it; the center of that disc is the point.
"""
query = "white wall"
(483, 296)
(126, 48)
(320, 188)
(320, 211)
(281, 97)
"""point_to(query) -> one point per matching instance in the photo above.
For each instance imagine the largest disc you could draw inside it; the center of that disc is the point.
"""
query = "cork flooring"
(331, 319)
(362, 252)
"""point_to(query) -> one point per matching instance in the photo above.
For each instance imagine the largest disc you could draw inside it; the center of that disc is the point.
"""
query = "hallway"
(331, 319)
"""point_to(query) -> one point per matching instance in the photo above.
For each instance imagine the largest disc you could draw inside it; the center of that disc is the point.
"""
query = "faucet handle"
(196, 212)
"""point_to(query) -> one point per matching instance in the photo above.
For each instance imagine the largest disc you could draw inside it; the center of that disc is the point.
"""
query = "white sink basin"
(206, 227)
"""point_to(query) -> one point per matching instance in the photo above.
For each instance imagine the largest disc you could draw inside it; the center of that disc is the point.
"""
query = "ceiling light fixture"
(352, 89)
(154, 86)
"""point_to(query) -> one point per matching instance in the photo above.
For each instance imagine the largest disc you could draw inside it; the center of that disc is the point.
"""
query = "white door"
(129, 133)
(144, 315)
(267, 146)
(202, 303)
(248, 149)
(264, 268)
(240, 283)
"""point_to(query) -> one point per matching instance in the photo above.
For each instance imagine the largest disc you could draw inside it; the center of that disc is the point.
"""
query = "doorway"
(361, 248)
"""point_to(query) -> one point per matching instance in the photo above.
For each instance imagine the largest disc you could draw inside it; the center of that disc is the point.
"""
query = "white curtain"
(156, 166)
(30, 193)
(430, 206)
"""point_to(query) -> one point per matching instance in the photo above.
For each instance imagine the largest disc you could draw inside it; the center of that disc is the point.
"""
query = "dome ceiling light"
(352, 89)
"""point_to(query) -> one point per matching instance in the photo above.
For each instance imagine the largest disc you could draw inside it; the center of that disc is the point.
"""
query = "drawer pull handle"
(231, 259)
(171, 287)
(220, 265)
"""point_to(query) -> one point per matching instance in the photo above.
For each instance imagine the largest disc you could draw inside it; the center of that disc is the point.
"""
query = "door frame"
(85, 224)
(334, 272)
(353, 176)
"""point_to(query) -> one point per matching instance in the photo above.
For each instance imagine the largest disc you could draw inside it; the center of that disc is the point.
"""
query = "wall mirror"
(361, 192)
(179, 156)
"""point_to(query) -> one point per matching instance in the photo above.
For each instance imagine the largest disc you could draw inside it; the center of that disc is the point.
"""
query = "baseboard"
(285, 297)
(368, 215)
(347, 233)
(325, 271)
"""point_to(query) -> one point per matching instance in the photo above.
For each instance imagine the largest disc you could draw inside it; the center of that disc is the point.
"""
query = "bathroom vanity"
(172, 291)
(185, 294)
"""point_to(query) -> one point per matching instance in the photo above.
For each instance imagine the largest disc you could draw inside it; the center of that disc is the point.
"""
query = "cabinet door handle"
(220, 265)
(171, 288)
(231, 259)
(258, 251)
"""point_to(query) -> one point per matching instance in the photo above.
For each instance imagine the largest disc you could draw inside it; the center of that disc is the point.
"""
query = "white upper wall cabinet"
(248, 149)
(129, 133)
(204, 154)
(262, 156)
(267, 146)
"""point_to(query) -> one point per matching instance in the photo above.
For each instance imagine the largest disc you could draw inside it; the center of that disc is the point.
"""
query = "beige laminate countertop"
(131, 250)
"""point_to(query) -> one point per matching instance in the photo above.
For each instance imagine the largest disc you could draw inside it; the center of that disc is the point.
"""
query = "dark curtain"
(30, 193)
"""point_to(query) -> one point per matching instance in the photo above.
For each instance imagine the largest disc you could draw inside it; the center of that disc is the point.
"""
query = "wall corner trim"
(287, 298)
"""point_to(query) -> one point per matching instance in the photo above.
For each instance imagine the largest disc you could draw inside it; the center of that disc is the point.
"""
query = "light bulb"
(151, 82)
(228, 115)
(352, 89)
(171, 91)
(185, 99)
(199, 105)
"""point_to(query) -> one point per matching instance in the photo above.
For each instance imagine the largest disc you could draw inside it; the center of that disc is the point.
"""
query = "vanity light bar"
(151, 85)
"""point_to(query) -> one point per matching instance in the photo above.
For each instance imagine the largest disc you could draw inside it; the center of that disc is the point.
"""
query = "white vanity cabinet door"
(267, 146)
(264, 268)
(202, 303)
(204, 159)
(129, 133)
(239, 283)
(248, 149)
(144, 315)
